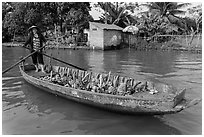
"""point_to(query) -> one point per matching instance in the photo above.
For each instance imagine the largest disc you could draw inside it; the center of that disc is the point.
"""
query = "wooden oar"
(22, 60)
(60, 61)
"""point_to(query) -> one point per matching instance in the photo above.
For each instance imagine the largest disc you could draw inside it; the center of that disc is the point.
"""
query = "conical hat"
(32, 28)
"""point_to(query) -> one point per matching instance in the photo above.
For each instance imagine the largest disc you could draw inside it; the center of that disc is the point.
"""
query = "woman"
(35, 40)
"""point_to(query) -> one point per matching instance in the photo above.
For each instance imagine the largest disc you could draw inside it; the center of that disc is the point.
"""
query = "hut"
(104, 36)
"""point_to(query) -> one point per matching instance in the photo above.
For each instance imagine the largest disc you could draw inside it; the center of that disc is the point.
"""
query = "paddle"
(61, 61)
(22, 60)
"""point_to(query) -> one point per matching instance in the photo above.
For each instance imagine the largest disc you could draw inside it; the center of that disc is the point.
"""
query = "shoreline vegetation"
(71, 26)
(178, 43)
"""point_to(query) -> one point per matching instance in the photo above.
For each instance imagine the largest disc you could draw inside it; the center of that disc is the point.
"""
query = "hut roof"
(106, 26)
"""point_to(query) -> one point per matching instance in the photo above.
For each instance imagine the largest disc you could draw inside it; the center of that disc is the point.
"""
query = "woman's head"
(33, 29)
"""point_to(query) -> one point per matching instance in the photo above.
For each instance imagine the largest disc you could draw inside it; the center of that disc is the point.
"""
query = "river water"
(29, 110)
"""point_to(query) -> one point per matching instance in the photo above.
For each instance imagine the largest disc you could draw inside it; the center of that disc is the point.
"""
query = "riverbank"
(177, 43)
(15, 44)
(169, 46)
(140, 45)
(11, 44)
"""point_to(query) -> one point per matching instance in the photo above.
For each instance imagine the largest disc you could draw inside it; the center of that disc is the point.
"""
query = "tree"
(19, 16)
(194, 14)
(170, 11)
(117, 13)
(164, 9)
(78, 16)
(13, 21)
(6, 10)
(150, 25)
(194, 21)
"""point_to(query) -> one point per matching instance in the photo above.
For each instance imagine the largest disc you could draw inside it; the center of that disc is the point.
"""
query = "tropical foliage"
(163, 18)
(166, 9)
(78, 16)
(18, 16)
(118, 13)
(195, 18)
(151, 25)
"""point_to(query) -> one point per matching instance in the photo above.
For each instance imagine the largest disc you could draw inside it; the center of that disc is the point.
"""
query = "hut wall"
(125, 40)
(96, 37)
(112, 38)
(133, 39)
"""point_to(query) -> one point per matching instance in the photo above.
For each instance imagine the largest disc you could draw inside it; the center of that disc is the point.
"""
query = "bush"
(20, 39)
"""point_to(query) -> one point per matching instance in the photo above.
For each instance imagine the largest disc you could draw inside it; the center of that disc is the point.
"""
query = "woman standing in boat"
(35, 40)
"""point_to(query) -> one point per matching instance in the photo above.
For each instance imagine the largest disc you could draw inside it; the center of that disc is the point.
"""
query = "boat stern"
(179, 97)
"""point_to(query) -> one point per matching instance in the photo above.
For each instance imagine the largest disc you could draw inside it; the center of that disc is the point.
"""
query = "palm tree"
(195, 15)
(166, 9)
(117, 13)
(169, 11)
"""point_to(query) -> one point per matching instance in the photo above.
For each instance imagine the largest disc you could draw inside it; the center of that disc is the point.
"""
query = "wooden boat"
(166, 101)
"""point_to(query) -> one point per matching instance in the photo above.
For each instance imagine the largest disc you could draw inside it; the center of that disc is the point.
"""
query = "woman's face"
(34, 30)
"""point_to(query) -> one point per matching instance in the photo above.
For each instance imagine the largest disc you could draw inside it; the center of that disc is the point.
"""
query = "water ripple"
(13, 87)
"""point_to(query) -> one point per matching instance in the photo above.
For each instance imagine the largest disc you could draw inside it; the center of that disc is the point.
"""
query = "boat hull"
(121, 104)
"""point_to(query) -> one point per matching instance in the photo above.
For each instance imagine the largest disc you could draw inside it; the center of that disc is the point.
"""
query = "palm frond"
(182, 5)
(110, 9)
(118, 18)
(144, 4)
(144, 12)
(176, 12)
(156, 5)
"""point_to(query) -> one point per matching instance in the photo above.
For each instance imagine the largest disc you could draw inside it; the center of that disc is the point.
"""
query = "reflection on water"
(29, 110)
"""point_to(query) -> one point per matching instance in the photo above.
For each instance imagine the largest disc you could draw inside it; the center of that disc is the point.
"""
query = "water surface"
(29, 110)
